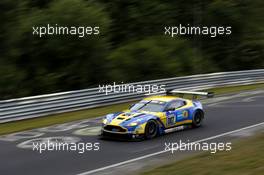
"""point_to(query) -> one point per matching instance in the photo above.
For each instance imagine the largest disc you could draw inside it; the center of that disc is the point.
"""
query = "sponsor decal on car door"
(182, 115)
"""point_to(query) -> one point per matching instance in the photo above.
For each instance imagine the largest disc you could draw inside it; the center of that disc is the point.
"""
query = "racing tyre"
(198, 118)
(151, 129)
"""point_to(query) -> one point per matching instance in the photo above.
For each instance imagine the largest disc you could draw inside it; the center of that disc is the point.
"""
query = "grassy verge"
(234, 89)
(90, 113)
(27, 124)
(246, 157)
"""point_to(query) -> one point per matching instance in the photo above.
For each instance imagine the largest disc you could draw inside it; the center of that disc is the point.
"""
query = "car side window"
(175, 104)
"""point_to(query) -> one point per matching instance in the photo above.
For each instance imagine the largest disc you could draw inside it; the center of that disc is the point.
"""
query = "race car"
(155, 115)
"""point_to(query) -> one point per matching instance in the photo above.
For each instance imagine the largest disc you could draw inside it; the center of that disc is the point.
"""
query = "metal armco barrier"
(43, 105)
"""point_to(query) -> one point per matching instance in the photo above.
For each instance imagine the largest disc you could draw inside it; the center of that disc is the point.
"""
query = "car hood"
(125, 118)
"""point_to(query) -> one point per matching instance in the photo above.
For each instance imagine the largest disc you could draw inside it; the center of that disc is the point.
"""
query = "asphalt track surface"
(221, 116)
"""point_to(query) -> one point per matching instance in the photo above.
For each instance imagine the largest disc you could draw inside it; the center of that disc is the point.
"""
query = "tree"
(156, 57)
(60, 62)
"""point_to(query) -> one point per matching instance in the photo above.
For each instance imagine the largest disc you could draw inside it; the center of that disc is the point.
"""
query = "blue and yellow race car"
(155, 115)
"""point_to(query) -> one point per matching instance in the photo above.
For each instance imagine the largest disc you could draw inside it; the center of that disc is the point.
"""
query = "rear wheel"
(151, 129)
(198, 118)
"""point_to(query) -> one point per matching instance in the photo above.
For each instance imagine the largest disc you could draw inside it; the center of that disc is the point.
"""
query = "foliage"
(131, 45)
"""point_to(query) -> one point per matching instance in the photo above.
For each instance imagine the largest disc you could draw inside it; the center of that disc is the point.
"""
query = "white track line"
(164, 151)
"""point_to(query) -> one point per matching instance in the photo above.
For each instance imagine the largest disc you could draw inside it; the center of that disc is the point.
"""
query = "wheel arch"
(198, 110)
(159, 124)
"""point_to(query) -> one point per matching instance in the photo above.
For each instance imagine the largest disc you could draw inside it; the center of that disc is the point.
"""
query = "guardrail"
(43, 105)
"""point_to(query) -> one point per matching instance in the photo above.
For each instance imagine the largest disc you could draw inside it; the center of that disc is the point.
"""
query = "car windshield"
(151, 106)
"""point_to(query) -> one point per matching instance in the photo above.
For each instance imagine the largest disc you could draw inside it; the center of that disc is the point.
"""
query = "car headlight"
(105, 121)
(133, 124)
(107, 118)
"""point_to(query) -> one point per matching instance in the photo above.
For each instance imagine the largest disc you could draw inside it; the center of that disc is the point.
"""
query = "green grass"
(235, 89)
(22, 125)
(91, 113)
(245, 158)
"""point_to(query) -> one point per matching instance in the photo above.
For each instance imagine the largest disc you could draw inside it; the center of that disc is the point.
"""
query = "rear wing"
(181, 94)
(194, 94)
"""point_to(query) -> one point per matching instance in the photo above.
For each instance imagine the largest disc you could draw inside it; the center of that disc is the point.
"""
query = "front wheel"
(197, 119)
(151, 129)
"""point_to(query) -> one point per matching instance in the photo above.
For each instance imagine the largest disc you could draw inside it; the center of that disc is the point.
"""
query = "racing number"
(171, 118)
(173, 115)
